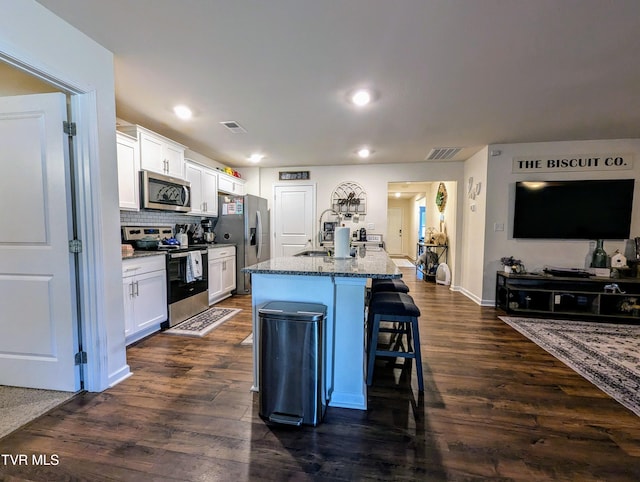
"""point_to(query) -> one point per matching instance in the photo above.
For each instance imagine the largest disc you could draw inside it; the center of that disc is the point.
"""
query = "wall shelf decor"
(349, 199)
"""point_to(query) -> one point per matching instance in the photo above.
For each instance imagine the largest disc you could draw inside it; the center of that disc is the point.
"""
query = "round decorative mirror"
(441, 197)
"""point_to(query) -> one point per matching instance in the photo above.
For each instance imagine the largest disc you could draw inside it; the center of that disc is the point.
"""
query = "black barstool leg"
(372, 348)
(416, 352)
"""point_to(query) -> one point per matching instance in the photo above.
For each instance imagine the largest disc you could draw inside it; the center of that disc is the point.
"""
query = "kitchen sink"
(313, 253)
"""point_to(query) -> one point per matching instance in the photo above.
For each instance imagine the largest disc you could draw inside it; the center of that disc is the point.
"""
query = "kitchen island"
(340, 285)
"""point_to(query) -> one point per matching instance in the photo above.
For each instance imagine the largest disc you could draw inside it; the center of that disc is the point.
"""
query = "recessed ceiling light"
(183, 112)
(398, 194)
(361, 97)
(255, 157)
(364, 152)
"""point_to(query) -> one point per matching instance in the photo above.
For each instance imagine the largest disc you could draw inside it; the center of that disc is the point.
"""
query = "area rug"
(248, 340)
(203, 323)
(19, 406)
(608, 355)
(403, 263)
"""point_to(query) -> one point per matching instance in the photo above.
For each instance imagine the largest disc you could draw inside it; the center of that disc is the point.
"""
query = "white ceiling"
(448, 73)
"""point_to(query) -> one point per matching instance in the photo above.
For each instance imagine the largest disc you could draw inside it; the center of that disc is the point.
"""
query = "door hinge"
(81, 358)
(69, 128)
(75, 246)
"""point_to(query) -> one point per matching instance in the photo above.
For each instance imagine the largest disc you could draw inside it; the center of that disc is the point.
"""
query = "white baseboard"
(476, 299)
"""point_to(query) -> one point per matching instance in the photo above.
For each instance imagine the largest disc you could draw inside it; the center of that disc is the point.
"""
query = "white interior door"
(37, 306)
(293, 215)
(394, 231)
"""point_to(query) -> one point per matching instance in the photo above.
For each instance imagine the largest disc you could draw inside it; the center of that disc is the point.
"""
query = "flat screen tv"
(594, 209)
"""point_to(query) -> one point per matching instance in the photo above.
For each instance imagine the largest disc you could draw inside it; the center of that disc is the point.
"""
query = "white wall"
(252, 185)
(536, 254)
(31, 34)
(374, 179)
(473, 227)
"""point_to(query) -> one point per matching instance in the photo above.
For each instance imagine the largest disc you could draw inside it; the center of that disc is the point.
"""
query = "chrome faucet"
(321, 232)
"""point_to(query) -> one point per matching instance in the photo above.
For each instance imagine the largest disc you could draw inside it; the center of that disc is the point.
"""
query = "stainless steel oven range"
(187, 271)
(187, 295)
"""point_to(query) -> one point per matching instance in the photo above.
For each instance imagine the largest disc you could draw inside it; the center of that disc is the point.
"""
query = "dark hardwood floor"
(495, 407)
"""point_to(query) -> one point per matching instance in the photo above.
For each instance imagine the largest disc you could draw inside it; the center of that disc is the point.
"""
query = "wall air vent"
(442, 153)
(234, 127)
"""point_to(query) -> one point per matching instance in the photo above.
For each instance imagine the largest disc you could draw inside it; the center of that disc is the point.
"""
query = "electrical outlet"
(498, 227)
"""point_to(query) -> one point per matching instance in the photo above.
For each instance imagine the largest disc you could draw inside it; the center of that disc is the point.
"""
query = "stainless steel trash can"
(291, 379)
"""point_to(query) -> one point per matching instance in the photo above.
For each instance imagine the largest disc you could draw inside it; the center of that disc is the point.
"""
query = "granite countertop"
(375, 264)
(140, 253)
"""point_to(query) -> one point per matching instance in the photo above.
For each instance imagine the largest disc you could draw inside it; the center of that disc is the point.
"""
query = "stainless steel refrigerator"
(244, 221)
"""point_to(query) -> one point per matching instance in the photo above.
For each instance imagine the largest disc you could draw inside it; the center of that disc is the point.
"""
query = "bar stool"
(400, 309)
(393, 285)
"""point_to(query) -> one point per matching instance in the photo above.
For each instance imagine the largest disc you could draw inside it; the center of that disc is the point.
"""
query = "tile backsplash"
(156, 218)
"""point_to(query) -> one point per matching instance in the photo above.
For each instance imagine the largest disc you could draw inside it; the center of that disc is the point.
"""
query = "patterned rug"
(203, 323)
(608, 355)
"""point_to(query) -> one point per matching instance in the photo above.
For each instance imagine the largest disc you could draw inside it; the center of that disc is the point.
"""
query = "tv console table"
(573, 297)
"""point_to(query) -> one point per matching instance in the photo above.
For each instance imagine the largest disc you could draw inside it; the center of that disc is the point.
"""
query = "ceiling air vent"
(440, 153)
(234, 127)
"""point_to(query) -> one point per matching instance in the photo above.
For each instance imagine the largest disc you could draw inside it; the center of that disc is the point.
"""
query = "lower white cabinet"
(144, 286)
(222, 273)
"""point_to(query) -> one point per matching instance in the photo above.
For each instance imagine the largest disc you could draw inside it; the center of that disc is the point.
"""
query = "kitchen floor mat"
(204, 322)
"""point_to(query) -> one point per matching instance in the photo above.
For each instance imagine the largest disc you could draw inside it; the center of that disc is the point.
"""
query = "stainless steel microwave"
(164, 192)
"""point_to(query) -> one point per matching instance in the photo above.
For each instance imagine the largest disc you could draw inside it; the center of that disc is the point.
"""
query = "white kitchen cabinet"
(128, 172)
(157, 153)
(222, 273)
(230, 184)
(144, 286)
(204, 189)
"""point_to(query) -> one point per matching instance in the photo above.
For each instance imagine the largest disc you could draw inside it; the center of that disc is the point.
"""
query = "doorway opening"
(49, 376)
(418, 221)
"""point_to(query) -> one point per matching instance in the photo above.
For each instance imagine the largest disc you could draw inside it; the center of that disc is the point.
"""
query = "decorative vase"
(599, 258)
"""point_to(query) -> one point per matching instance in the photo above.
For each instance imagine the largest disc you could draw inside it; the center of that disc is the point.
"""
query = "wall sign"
(294, 175)
(564, 163)
(349, 199)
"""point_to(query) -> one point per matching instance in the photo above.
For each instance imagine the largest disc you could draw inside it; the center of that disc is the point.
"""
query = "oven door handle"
(184, 255)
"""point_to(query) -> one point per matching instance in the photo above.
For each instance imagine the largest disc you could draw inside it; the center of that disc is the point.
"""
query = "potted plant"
(512, 265)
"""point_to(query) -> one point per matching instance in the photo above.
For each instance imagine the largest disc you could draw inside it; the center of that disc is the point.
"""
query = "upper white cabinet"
(230, 184)
(128, 167)
(204, 188)
(157, 153)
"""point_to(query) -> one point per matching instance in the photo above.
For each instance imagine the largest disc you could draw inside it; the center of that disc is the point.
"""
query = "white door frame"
(274, 212)
(84, 112)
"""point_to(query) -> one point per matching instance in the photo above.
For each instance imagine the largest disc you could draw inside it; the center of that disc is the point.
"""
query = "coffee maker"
(207, 231)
